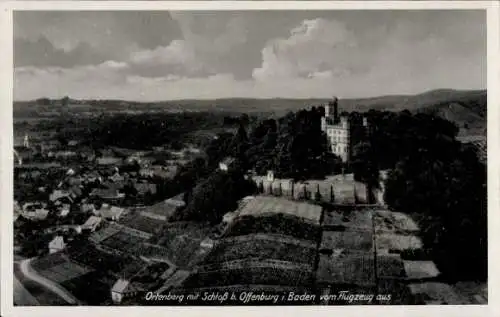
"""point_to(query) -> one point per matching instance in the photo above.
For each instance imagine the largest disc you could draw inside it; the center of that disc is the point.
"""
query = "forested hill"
(466, 108)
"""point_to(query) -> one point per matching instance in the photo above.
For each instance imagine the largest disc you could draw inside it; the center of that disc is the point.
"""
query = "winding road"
(31, 274)
(22, 296)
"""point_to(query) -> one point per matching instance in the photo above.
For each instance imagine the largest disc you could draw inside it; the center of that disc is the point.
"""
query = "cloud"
(41, 52)
(247, 54)
(206, 42)
(32, 82)
(313, 47)
(112, 34)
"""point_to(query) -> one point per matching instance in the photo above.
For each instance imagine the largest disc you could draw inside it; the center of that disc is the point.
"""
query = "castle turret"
(344, 122)
(335, 110)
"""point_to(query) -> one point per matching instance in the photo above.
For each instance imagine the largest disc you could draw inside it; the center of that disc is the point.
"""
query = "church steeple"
(26, 142)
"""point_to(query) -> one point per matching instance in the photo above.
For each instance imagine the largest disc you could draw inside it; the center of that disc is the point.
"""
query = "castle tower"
(335, 105)
(26, 142)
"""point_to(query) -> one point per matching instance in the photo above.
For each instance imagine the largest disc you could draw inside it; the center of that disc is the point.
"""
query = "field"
(107, 230)
(150, 251)
(182, 240)
(63, 272)
(264, 206)
(261, 249)
(250, 275)
(49, 261)
(280, 224)
(395, 243)
(151, 274)
(122, 242)
(393, 222)
(356, 220)
(436, 293)
(90, 256)
(390, 267)
(348, 239)
(160, 209)
(142, 223)
(98, 282)
(347, 269)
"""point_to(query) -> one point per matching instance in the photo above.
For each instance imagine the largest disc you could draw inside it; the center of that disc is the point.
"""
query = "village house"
(87, 153)
(92, 177)
(123, 289)
(145, 188)
(64, 210)
(73, 143)
(133, 159)
(146, 172)
(109, 160)
(35, 211)
(86, 207)
(158, 171)
(58, 194)
(226, 164)
(64, 154)
(229, 217)
(109, 212)
(74, 181)
(57, 244)
(92, 223)
(70, 172)
(110, 193)
(75, 192)
(176, 201)
(51, 145)
(116, 177)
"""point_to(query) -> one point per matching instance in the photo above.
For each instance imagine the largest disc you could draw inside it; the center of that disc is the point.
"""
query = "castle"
(340, 129)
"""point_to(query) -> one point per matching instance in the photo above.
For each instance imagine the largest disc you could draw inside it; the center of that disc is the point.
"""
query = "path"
(55, 288)
(22, 296)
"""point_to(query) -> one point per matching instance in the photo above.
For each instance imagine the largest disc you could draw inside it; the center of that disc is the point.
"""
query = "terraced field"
(250, 276)
(280, 224)
(259, 248)
(142, 223)
(182, 240)
(122, 242)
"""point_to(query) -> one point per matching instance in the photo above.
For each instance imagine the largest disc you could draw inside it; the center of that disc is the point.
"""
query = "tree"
(65, 101)
(239, 146)
(215, 196)
(364, 167)
(448, 195)
(317, 195)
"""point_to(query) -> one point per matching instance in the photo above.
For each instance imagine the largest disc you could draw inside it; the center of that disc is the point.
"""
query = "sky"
(169, 55)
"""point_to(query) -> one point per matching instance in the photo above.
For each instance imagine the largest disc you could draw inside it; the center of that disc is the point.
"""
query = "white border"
(6, 144)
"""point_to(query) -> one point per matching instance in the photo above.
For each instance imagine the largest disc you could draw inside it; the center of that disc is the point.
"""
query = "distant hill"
(466, 108)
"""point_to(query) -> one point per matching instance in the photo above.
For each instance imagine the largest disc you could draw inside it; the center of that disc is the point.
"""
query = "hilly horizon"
(467, 108)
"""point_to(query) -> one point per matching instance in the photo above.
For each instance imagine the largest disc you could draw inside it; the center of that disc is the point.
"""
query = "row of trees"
(215, 196)
(293, 146)
(435, 178)
(134, 131)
